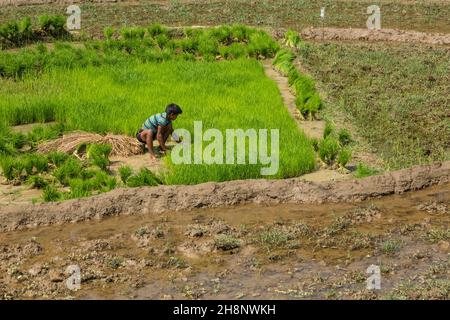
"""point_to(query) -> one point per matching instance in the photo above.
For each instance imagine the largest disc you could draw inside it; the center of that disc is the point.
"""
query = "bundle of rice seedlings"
(292, 39)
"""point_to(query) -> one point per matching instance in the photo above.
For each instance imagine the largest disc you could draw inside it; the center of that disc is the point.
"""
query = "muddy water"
(283, 251)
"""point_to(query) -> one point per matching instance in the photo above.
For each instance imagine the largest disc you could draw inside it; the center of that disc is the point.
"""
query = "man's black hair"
(173, 109)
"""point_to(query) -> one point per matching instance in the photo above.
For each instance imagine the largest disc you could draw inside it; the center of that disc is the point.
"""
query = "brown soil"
(160, 199)
(280, 252)
(376, 35)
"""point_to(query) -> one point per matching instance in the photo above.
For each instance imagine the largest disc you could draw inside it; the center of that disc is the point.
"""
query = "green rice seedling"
(156, 30)
(51, 194)
(10, 33)
(344, 137)
(10, 142)
(283, 61)
(162, 40)
(240, 32)
(44, 132)
(7, 165)
(315, 143)
(34, 163)
(207, 46)
(27, 164)
(261, 44)
(293, 76)
(251, 101)
(328, 150)
(132, 33)
(37, 182)
(344, 157)
(292, 39)
(143, 178)
(53, 25)
(125, 172)
(101, 181)
(70, 169)
(79, 188)
(312, 106)
(329, 129)
(233, 51)
(221, 34)
(363, 171)
(98, 155)
(108, 33)
(57, 158)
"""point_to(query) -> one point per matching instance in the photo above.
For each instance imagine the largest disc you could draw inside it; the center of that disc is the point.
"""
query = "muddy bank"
(284, 251)
(376, 35)
(213, 195)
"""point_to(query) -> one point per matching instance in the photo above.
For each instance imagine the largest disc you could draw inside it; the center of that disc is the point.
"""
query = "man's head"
(172, 111)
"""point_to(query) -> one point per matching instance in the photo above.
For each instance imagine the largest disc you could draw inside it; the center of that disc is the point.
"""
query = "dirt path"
(312, 129)
(376, 35)
(160, 199)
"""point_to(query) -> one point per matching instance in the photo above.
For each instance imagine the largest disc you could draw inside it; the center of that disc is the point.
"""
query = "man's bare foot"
(152, 156)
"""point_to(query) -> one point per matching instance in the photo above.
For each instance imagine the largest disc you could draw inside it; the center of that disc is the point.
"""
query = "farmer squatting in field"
(159, 127)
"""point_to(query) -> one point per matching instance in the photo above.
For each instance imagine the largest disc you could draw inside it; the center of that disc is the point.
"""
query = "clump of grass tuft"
(328, 150)
(57, 158)
(51, 194)
(143, 178)
(291, 39)
(98, 155)
(344, 156)
(344, 136)
(125, 172)
(70, 169)
(390, 247)
(363, 171)
(226, 242)
(7, 165)
(274, 238)
(37, 182)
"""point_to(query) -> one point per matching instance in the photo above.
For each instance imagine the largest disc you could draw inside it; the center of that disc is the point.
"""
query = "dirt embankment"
(395, 35)
(213, 195)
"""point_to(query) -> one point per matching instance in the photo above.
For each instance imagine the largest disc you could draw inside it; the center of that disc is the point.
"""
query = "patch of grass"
(329, 150)
(344, 137)
(344, 156)
(274, 238)
(363, 171)
(51, 194)
(37, 182)
(226, 242)
(57, 158)
(230, 94)
(98, 155)
(125, 172)
(388, 91)
(143, 178)
(7, 164)
(390, 247)
(437, 234)
(70, 169)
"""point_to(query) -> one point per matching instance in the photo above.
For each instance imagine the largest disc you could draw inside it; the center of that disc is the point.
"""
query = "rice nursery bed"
(112, 86)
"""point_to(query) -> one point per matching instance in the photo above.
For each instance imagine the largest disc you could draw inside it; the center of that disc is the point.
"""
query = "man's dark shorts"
(138, 136)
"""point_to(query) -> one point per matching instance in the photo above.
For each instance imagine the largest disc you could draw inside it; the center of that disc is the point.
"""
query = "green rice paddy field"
(117, 99)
